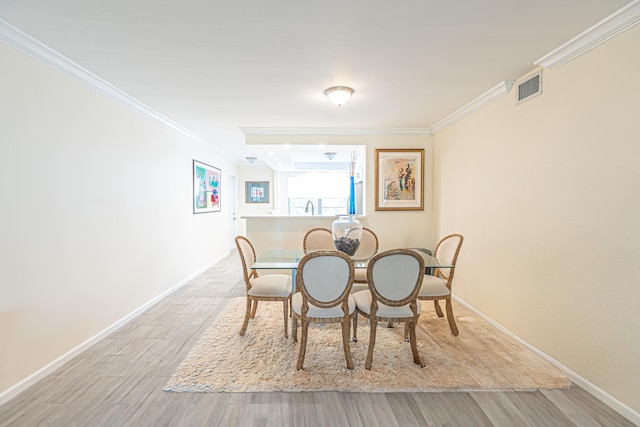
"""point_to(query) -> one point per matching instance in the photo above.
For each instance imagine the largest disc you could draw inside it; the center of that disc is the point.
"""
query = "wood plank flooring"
(119, 380)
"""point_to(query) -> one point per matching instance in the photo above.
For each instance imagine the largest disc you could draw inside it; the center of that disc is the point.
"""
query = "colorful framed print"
(256, 192)
(206, 188)
(399, 176)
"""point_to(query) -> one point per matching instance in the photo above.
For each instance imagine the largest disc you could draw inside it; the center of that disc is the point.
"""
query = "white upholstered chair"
(268, 287)
(394, 279)
(316, 239)
(438, 287)
(324, 281)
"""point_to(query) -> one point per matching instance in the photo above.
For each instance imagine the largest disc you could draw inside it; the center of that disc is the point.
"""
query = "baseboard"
(591, 388)
(21, 386)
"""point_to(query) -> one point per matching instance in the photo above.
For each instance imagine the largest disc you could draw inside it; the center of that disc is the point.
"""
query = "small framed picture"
(399, 176)
(256, 192)
(206, 188)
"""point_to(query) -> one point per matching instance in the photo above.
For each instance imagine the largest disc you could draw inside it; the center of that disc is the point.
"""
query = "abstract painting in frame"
(256, 192)
(206, 188)
(399, 175)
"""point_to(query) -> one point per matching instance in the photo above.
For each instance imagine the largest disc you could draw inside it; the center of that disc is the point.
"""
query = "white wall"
(547, 195)
(96, 214)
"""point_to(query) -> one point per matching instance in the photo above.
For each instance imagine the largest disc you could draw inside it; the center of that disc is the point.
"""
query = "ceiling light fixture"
(252, 160)
(330, 155)
(339, 95)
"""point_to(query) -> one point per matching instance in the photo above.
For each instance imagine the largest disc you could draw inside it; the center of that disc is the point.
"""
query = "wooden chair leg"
(294, 331)
(417, 359)
(355, 327)
(303, 343)
(253, 310)
(345, 343)
(286, 317)
(436, 305)
(450, 318)
(372, 342)
(245, 322)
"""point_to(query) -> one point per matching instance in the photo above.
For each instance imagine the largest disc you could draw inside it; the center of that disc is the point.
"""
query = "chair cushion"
(360, 276)
(363, 302)
(325, 313)
(433, 287)
(357, 287)
(271, 285)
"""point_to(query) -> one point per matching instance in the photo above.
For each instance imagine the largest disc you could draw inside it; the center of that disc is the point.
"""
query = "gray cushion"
(326, 313)
(325, 277)
(433, 287)
(395, 276)
(357, 287)
(363, 302)
(271, 285)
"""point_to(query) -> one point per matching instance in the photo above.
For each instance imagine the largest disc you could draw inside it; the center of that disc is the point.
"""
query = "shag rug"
(481, 358)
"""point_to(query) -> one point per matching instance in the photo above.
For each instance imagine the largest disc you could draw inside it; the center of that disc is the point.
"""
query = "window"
(316, 193)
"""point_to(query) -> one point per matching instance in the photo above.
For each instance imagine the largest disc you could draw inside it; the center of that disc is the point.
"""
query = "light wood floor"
(118, 382)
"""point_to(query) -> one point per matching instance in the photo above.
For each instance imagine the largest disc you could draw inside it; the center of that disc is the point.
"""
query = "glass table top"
(287, 259)
(278, 259)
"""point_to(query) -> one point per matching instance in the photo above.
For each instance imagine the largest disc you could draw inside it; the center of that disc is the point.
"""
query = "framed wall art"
(399, 175)
(206, 188)
(256, 192)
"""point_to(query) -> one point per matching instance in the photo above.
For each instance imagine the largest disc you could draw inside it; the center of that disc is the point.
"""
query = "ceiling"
(216, 67)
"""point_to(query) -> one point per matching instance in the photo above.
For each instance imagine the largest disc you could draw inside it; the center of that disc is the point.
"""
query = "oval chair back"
(248, 257)
(317, 239)
(447, 250)
(325, 277)
(395, 276)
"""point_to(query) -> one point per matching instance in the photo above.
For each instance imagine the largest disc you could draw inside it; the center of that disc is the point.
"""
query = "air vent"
(530, 88)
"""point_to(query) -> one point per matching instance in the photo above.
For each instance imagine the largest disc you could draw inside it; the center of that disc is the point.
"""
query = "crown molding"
(334, 131)
(495, 93)
(609, 27)
(31, 47)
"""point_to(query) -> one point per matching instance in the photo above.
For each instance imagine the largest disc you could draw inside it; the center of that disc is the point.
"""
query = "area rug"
(480, 358)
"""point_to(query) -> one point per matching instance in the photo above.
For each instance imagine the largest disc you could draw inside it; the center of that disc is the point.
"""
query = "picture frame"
(206, 188)
(256, 192)
(395, 190)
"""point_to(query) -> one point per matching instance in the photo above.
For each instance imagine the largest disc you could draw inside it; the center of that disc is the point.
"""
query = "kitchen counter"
(284, 232)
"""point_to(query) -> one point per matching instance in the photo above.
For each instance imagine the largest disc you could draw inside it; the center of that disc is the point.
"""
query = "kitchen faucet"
(306, 209)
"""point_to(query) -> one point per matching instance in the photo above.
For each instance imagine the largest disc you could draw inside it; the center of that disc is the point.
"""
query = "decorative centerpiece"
(347, 230)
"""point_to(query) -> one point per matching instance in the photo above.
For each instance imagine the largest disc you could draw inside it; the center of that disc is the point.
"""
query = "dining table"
(288, 259)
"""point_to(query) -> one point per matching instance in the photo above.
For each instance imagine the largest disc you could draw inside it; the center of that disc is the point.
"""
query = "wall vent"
(530, 88)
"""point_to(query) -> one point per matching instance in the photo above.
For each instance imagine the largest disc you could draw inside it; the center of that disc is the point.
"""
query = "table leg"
(293, 289)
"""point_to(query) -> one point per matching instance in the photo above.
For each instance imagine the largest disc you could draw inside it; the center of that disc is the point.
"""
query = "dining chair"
(316, 239)
(368, 248)
(394, 278)
(438, 287)
(324, 281)
(268, 287)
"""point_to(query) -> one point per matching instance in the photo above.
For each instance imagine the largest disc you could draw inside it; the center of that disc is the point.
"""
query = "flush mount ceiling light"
(339, 95)
(330, 155)
(251, 160)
